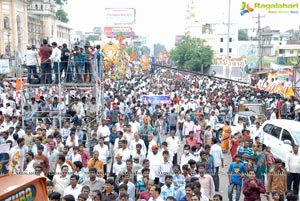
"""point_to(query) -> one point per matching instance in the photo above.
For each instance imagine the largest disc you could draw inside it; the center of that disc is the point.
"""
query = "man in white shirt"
(77, 107)
(146, 164)
(124, 151)
(134, 124)
(31, 62)
(166, 167)
(30, 163)
(173, 145)
(155, 193)
(186, 156)
(74, 188)
(103, 131)
(55, 58)
(18, 157)
(103, 152)
(136, 141)
(292, 165)
(75, 155)
(216, 152)
(62, 180)
(156, 160)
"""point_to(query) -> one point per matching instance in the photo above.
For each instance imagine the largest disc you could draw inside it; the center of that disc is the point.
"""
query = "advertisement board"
(155, 99)
(111, 32)
(4, 66)
(115, 17)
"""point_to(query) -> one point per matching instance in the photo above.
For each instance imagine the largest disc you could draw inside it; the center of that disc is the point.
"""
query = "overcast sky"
(161, 20)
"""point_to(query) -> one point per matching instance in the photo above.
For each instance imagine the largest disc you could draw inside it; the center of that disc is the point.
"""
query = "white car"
(281, 135)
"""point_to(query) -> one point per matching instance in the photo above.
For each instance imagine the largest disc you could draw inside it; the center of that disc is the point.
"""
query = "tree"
(191, 53)
(61, 2)
(146, 50)
(243, 34)
(158, 48)
(62, 15)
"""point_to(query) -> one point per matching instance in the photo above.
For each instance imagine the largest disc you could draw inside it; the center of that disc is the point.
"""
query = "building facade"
(13, 29)
(28, 22)
(43, 24)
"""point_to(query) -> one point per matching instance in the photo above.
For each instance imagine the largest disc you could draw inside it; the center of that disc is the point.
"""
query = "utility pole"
(259, 37)
(228, 26)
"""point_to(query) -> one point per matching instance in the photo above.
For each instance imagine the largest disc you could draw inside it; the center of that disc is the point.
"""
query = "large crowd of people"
(146, 150)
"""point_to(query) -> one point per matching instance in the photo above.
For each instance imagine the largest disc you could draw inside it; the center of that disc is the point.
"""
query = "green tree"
(191, 53)
(158, 48)
(61, 2)
(131, 49)
(62, 15)
(146, 50)
(243, 34)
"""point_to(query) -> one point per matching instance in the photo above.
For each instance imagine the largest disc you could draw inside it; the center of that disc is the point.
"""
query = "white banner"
(4, 66)
(119, 16)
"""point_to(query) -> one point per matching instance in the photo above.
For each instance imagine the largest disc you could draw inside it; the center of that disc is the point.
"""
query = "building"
(216, 34)
(43, 24)
(26, 22)
(13, 29)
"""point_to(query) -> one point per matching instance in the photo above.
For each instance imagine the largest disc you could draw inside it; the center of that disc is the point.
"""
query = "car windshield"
(297, 136)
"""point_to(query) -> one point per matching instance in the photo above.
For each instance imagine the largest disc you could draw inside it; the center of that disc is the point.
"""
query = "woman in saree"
(225, 137)
(233, 145)
(261, 161)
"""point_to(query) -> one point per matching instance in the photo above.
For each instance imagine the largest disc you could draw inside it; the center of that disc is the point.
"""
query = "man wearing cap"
(119, 165)
(277, 180)
(156, 160)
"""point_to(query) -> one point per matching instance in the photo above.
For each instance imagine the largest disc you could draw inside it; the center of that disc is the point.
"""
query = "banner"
(4, 66)
(156, 99)
(111, 32)
(119, 16)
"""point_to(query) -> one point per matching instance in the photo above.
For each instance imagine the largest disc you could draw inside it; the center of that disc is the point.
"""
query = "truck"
(23, 187)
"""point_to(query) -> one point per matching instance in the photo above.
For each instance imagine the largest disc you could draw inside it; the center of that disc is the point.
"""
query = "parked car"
(249, 118)
(281, 135)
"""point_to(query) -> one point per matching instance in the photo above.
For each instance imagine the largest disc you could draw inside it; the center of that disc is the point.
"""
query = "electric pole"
(260, 45)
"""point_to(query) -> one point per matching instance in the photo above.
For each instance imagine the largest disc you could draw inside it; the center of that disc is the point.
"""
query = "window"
(291, 51)
(221, 50)
(230, 40)
(276, 132)
(6, 22)
(230, 50)
(42, 7)
(267, 128)
(287, 136)
(36, 7)
(221, 40)
(281, 51)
